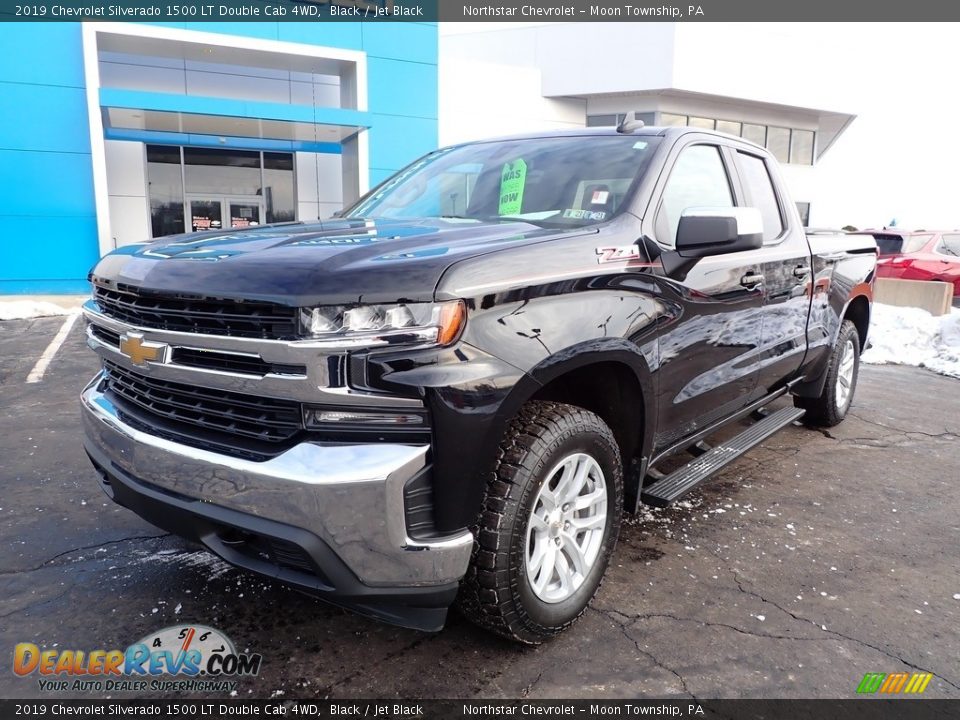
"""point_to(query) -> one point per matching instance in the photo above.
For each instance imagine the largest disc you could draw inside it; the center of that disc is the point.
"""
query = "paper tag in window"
(600, 197)
(513, 178)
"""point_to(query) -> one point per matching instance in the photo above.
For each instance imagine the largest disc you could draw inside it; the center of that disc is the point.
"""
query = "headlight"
(381, 325)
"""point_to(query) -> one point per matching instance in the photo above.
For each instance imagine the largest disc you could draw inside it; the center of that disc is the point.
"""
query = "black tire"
(826, 410)
(495, 593)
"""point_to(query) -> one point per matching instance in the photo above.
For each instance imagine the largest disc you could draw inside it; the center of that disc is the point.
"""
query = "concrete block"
(934, 297)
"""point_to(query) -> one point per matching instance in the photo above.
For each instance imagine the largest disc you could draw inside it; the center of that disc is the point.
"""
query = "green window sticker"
(512, 180)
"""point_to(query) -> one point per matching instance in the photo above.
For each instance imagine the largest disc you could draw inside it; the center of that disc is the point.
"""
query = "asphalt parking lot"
(817, 558)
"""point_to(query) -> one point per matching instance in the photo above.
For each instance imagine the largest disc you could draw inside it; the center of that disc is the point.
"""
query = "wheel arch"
(858, 312)
(856, 309)
(612, 381)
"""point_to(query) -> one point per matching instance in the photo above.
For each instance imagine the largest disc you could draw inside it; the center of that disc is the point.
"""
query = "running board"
(684, 479)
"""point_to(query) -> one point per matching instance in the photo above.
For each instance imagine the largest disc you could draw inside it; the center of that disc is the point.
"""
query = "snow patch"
(911, 336)
(198, 559)
(25, 309)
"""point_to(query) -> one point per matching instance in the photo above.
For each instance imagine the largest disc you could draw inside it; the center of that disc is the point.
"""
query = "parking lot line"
(36, 374)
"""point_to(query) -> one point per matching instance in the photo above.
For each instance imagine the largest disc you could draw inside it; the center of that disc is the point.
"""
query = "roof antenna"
(629, 124)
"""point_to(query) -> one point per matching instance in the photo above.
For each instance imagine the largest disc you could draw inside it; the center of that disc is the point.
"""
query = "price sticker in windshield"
(512, 180)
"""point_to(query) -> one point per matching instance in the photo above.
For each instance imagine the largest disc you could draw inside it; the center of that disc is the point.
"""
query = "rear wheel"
(831, 407)
(550, 520)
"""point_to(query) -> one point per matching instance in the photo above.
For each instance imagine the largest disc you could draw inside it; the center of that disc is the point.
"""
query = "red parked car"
(920, 255)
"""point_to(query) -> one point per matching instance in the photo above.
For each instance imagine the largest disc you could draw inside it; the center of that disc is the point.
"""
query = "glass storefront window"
(778, 143)
(224, 188)
(278, 187)
(601, 120)
(788, 145)
(728, 126)
(702, 122)
(755, 134)
(801, 147)
(670, 119)
(165, 183)
(227, 172)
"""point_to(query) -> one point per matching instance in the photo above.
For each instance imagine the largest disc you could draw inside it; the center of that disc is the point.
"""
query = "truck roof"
(657, 131)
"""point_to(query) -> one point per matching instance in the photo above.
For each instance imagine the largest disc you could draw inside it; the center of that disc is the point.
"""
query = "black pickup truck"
(453, 391)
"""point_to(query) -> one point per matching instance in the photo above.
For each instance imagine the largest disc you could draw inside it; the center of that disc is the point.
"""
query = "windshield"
(568, 181)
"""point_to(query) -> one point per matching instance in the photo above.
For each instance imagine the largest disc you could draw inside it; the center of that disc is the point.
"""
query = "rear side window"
(761, 194)
(900, 244)
(950, 245)
(889, 244)
(915, 243)
(698, 179)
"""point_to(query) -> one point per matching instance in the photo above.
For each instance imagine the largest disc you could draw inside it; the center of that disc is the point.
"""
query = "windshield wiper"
(542, 223)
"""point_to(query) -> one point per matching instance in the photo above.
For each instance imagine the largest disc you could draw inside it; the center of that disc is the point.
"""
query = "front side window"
(761, 195)
(568, 181)
(698, 179)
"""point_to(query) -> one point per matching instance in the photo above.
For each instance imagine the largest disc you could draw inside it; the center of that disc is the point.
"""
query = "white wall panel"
(129, 219)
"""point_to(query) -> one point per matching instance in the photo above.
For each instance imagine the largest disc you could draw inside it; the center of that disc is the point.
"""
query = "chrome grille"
(189, 410)
(196, 313)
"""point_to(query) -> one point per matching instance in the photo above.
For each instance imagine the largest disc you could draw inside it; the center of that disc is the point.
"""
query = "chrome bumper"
(348, 495)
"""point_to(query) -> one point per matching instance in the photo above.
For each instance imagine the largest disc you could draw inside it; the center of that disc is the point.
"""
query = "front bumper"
(325, 517)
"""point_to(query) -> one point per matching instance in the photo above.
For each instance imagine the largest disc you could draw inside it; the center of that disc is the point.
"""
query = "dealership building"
(497, 79)
(113, 133)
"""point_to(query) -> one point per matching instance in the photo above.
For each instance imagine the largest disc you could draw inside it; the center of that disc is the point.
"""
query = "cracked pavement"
(818, 557)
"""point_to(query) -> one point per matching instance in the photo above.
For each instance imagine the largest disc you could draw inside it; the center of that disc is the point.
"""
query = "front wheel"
(831, 407)
(549, 524)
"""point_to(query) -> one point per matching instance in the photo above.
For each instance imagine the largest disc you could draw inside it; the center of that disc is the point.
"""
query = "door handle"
(751, 279)
(801, 271)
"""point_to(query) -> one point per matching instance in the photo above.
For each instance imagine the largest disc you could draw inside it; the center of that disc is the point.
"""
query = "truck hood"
(330, 262)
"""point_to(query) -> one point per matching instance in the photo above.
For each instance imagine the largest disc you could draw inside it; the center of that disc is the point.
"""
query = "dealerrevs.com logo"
(181, 658)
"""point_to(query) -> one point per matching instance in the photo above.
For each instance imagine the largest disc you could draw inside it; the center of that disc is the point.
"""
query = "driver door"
(708, 350)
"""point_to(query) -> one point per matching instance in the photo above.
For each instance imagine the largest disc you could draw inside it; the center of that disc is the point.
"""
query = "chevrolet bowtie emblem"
(142, 351)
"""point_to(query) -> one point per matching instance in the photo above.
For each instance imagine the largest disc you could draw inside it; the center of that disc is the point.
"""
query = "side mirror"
(703, 232)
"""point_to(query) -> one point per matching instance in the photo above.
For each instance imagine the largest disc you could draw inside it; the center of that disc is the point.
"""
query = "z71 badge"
(627, 253)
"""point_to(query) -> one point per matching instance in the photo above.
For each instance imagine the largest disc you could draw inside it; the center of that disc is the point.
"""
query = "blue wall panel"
(49, 255)
(43, 117)
(24, 62)
(46, 188)
(395, 140)
(378, 175)
(45, 184)
(266, 30)
(396, 87)
(401, 41)
(340, 34)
